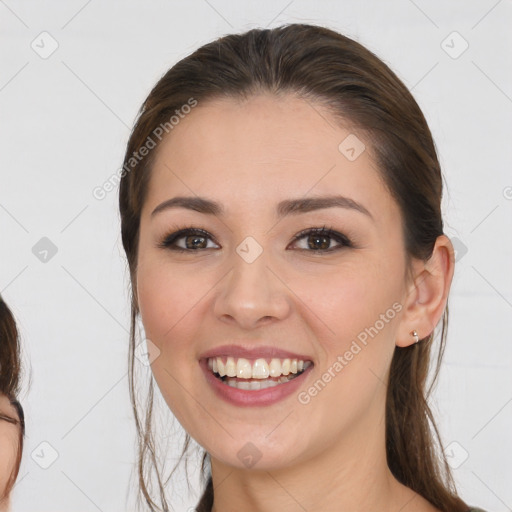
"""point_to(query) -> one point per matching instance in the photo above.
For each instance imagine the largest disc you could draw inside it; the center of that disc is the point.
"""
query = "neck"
(350, 475)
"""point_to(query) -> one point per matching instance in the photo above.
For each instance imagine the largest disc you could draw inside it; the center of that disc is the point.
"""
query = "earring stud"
(415, 336)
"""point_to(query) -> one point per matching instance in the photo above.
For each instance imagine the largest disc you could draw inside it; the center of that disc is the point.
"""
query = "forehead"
(265, 148)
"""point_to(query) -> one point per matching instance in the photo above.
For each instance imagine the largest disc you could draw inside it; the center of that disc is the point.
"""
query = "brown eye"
(194, 239)
(320, 239)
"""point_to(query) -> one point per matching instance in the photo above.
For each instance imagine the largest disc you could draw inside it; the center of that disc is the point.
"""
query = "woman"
(280, 213)
(12, 423)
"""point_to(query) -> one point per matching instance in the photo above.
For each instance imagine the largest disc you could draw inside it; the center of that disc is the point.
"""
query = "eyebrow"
(284, 208)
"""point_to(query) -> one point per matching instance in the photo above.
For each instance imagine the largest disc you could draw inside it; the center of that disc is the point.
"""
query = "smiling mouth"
(256, 384)
(260, 382)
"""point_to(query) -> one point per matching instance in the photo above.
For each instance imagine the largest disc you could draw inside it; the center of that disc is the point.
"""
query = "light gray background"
(65, 120)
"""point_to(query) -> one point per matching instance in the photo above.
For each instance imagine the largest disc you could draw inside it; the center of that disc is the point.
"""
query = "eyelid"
(325, 231)
(190, 230)
(9, 419)
(177, 233)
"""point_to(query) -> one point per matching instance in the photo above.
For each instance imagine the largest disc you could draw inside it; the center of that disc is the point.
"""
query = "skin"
(328, 455)
(9, 437)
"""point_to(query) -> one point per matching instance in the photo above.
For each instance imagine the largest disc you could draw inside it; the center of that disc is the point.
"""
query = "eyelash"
(9, 419)
(170, 239)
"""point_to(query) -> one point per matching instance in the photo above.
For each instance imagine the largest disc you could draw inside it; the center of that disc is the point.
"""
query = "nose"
(252, 294)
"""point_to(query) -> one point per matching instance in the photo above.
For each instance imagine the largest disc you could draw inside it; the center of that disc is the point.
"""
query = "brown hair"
(10, 376)
(328, 69)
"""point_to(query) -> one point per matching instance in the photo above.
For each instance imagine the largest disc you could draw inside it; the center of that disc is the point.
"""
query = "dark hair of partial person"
(361, 92)
(10, 377)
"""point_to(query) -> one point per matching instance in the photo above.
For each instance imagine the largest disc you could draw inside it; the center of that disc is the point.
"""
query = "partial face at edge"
(9, 439)
(249, 156)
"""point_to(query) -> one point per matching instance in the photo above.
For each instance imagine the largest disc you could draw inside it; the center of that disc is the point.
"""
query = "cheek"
(353, 311)
(169, 298)
(354, 314)
(8, 450)
(346, 298)
(171, 310)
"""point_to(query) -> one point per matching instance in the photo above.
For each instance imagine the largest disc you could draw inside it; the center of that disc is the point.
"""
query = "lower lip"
(249, 398)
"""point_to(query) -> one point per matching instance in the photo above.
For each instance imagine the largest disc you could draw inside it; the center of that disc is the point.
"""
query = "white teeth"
(220, 366)
(255, 384)
(243, 369)
(230, 368)
(275, 368)
(258, 369)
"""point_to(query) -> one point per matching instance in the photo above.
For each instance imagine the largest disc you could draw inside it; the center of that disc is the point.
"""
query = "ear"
(427, 294)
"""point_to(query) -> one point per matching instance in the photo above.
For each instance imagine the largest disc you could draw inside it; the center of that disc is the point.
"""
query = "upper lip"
(261, 351)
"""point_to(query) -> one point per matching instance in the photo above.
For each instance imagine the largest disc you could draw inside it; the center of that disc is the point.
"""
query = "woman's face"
(9, 439)
(250, 284)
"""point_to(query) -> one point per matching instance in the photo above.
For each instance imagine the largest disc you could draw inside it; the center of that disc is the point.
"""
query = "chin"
(257, 452)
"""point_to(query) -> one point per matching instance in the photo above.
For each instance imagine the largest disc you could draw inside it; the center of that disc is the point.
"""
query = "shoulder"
(476, 509)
